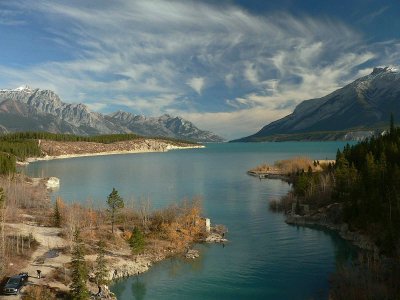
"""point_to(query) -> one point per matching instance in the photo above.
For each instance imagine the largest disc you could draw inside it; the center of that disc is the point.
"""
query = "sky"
(229, 66)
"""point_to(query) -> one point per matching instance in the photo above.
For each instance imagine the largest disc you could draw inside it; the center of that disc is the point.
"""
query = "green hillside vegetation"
(105, 139)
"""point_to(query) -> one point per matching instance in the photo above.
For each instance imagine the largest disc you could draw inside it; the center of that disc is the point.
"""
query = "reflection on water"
(264, 259)
(138, 289)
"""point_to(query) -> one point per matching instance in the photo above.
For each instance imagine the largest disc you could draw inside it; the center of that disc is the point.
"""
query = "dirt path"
(42, 259)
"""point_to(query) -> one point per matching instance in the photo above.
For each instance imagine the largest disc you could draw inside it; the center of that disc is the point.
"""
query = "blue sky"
(228, 66)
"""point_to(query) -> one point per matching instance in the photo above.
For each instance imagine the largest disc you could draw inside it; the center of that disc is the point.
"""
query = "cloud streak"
(228, 70)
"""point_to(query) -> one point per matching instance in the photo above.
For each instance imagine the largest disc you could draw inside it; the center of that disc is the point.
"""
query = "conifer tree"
(136, 241)
(57, 213)
(391, 130)
(101, 267)
(79, 274)
(114, 202)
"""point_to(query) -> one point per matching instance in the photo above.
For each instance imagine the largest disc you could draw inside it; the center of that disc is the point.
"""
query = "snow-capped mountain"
(365, 103)
(165, 125)
(25, 108)
(37, 103)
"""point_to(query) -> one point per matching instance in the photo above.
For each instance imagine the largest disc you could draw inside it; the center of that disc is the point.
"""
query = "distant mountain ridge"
(364, 104)
(30, 109)
(165, 125)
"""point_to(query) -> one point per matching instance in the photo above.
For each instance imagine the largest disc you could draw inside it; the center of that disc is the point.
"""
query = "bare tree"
(144, 211)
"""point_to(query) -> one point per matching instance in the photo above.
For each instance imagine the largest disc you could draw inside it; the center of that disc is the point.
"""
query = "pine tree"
(136, 241)
(79, 274)
(57, 213)
(115, 202)
(391, 124)
(101, 270)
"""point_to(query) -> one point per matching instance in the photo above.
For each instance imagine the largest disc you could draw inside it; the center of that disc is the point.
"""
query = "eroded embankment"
(61, 150)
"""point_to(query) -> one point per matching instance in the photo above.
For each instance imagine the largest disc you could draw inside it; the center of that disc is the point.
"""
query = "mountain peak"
(364, 104)
(385, 69)
(23, 88)
(46, 111)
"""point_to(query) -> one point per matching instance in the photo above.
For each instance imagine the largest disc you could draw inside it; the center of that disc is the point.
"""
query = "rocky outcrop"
(52, 183)
(215, 238)
(122, 268)
(330, 217)
(192, 254)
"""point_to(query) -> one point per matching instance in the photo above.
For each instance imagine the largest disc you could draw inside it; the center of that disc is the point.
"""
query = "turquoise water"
(265, 258)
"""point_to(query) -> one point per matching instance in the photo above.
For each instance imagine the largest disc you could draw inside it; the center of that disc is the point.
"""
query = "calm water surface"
(265, 258)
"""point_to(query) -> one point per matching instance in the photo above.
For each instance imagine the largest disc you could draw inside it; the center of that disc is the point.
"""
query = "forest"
(366, 181)
(364, 187)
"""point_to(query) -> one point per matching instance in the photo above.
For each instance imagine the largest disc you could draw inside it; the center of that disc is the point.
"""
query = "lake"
(264, 259)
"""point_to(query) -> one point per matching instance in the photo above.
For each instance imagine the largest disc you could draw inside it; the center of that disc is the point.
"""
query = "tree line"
(105, 138)
(361, 189)
(366, 180)
(368, 183)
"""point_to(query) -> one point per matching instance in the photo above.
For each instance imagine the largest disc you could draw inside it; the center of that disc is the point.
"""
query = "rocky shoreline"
(329, 217)
(122, 268)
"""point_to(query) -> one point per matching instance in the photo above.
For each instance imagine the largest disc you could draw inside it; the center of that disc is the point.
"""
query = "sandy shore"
(66, 156)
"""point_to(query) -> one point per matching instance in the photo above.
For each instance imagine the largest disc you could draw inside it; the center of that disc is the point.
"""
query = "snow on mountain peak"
(385, 69)
(23, 88)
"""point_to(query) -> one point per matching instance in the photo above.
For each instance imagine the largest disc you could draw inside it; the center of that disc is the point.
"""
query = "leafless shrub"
(284, 204)
(39, 292)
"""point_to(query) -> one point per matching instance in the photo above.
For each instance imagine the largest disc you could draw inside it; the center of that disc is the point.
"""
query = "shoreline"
(106, 153)
(359, 240)
(50, 257)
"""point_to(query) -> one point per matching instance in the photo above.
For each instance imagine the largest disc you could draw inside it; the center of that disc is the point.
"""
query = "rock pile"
(192, 254)
(215, 238)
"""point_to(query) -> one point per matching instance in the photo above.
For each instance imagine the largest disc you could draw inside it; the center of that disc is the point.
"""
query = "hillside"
(27, 109)
(31, 146)
(363, 105)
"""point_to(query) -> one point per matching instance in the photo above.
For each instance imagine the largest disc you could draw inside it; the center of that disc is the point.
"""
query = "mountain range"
(358, 108)
(27, 109)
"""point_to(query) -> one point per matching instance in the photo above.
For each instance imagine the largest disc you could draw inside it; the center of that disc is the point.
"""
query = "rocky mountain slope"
(27, 109)
(363, 104)
(165, 126)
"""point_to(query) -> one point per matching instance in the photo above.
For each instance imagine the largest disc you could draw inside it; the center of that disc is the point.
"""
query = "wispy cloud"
(10, 17)
(375, 14)
(196, 83)
(149, 57)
